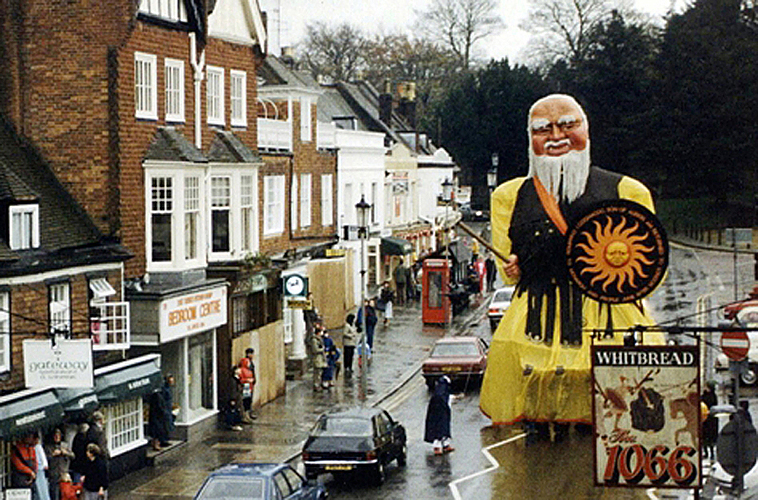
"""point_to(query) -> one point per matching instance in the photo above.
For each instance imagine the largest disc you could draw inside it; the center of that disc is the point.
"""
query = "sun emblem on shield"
(617, 252)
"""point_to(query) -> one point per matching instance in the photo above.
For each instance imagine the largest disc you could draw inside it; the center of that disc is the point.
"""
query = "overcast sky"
(390, 16)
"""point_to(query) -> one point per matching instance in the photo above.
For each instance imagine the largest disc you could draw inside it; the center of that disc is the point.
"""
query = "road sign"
(735, 345)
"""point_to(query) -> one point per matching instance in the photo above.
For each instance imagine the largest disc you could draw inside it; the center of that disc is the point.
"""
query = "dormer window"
(24, 226)
(173, 10)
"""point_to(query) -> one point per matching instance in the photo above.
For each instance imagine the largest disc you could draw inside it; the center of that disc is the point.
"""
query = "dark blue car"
(259, 482)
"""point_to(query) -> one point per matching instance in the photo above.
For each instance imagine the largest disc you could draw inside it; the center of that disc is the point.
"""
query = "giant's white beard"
(571, 170)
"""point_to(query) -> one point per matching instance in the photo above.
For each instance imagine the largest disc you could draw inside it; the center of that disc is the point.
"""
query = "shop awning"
(128, 380)
(392, 245)
(27, 411)
(76, 400)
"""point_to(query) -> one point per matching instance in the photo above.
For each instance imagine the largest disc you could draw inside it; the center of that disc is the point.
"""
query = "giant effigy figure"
(539, 360)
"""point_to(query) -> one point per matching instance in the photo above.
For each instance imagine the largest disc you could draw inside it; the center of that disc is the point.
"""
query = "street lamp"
(447, 197)
(363, 209)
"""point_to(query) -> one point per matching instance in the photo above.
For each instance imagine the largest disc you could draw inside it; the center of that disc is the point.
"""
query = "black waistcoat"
(541, 250)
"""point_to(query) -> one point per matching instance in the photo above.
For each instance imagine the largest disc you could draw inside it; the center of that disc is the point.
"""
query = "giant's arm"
(502, 203)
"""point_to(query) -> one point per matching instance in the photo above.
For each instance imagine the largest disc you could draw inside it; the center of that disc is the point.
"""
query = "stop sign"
(735, 345)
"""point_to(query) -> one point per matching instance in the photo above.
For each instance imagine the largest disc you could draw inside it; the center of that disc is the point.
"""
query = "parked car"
(355, 441)
(460, 358)
(745, 316)
(472, 214)
(500, 301)
(259, 482)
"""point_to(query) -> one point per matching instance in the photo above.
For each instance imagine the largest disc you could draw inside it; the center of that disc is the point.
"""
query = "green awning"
(27, 411)
(392, 245)
(78, 400)
(128, 380)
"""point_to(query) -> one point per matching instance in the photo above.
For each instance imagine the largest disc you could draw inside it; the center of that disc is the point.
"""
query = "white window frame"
(26, 234)
(145, 86)
(306, 132)
(327, 200)
(294, 197)
(221, 201)
(214, 95)
(238, 98)
(168, 9)
(165, 205)
(174, 81)
(374, 197)
(305, 200)
(59, 307)
(247, 213)
(101, 289)
(348, 207)
(124, 424)
(5, 332)
(192, 200)
(273, 205)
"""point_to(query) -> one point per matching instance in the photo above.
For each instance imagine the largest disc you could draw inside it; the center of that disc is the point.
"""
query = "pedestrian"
(481, 272)
(710, 423)
(438, 414)
(245, 376)
(68, 488)
(745, 411)
(349, 339)
(79, 447)
(96, 476)
(59, 457)
(401, 280)
(318, 358)
(40, 482)
(233, 416)
(161, 417)
(371, 320)
(310, 316)
(24, 464)
(332, 356)
(490, 268)
(96, 433)
(385, 297)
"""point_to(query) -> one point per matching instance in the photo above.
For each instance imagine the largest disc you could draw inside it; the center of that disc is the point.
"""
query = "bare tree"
(460, 24)
(336, 52)
(561, 28)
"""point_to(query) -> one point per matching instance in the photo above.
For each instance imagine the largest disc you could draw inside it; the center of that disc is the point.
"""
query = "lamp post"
(447, 197)
(362, 209)
(492, 174)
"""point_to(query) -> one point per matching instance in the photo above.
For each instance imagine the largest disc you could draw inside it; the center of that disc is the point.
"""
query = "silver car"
(499, 303)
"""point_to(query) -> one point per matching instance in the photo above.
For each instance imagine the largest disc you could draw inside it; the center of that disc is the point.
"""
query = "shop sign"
(299, 304)
(189, 314)
(335, 252)
(18, 494)
(646, 414)
(67, 363)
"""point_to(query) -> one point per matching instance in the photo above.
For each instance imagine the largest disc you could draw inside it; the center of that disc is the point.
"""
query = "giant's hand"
(511, 267)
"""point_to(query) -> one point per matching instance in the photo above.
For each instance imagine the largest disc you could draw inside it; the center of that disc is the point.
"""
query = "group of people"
(325, 355)
(239, 410)
(54, 471)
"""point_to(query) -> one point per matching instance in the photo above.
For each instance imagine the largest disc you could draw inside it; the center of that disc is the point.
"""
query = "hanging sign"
(618, 252)
(646, 415)
(67, 363)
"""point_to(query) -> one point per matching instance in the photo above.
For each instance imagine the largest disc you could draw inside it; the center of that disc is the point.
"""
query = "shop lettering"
(68, 366)
(191, 313)
(635, 463)
(644, 358)
(138, 383)
(28, 419)
(87, 399)
(213, 307)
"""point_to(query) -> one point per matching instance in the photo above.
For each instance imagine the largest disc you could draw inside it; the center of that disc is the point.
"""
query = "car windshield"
(502, 296)
(455, 349)
(342, 426)
(233, 488)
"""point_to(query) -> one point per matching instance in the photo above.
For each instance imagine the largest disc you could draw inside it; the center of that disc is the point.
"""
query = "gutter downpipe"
(198, 65)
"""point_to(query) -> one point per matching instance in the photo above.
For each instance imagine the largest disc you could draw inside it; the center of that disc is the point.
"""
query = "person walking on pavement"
(332, 356)
(40, 483)
(490, 268)
(59, 457)
(96, 433)
(245, 375)
(710, 424)
(385, 297)
(96, 476)
(437, 429)
(161, 417)
(318, 355)
(349, 339)
(401, 280)
(371, 320)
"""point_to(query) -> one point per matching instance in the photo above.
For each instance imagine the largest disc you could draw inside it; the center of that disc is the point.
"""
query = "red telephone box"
(435, 304)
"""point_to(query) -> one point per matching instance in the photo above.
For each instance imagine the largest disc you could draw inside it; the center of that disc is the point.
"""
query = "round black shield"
(618, 252)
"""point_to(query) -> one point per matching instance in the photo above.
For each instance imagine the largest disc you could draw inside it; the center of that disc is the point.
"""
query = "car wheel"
(402, 459)
(310, 474)
(379, 473)
(749, 375)
(493, 325)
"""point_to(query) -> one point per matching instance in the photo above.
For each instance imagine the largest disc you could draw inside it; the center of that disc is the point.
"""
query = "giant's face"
(557, 127)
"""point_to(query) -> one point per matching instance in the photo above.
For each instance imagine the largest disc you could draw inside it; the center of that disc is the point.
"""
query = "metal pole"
(364, 345)
(448, 314)
(734, 247)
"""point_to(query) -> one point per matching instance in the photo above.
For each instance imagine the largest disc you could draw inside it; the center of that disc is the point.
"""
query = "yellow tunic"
(531, 380)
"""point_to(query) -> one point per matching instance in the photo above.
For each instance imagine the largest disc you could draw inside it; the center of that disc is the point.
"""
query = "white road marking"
(486, 451)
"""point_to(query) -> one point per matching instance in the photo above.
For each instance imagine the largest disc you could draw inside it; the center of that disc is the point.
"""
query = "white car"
(499, 303)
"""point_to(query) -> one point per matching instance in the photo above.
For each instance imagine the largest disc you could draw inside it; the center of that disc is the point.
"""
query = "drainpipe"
(198, 65)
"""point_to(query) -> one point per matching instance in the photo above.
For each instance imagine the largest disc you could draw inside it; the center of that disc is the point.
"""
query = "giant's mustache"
(557, 144)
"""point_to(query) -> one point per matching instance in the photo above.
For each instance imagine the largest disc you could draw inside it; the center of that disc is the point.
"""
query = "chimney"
(385, 103)
(288, 57)
(407, 106)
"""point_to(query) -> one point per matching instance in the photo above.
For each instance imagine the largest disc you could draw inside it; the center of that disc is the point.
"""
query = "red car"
(463, 359)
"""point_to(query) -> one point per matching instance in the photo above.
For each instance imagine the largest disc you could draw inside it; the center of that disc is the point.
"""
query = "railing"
(326, 135)
(274, 134)
(109, 326)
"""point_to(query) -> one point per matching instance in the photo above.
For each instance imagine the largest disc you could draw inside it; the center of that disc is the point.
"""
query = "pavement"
(282, 426)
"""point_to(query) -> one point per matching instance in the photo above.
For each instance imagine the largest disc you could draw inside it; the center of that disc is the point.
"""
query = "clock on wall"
(295, 285)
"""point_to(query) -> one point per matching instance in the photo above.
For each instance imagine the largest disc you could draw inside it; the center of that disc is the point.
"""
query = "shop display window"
(124, 425)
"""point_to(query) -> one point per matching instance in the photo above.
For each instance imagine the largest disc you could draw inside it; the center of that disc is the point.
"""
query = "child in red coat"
(69, 490)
